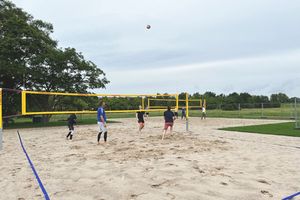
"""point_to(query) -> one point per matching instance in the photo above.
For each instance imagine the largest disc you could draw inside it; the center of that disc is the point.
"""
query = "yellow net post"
(23, 102)
(177, 102)
(1, 121)
(187, 111)
(143, 103)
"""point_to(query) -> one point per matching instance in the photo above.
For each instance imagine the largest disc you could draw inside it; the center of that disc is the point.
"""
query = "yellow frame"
(25, 92)
(178, 100)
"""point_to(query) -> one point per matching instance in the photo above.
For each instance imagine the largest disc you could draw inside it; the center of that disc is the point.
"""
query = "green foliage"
(279, 98)
(31, 60)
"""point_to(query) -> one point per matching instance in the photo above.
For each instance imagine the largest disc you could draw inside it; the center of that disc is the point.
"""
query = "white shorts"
(102, 127)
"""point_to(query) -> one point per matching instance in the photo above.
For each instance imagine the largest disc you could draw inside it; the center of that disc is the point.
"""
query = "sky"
(192, 46)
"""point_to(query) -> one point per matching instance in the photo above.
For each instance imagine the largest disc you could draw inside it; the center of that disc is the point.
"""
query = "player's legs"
(141, 126)
(102, 129)
(71, 131)
(171, 128)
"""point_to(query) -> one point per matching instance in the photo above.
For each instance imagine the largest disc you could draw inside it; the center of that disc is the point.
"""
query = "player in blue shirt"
(101, 118)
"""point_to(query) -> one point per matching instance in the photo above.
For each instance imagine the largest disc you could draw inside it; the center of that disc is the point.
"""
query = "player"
(71, 122)
(203, 113)
(147, 113)
(176, 113)
(140, 118)
(169, 120)
(183, 113)
(101, 117)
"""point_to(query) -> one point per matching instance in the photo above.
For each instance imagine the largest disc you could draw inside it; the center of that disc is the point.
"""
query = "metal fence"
(297, 113)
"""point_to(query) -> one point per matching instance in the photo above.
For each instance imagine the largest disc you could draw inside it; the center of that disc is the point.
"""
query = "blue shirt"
(101, 112)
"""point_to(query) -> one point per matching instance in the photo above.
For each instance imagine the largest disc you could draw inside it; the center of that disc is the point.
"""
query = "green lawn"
(61, 120)
(287, 129)
(286, 111)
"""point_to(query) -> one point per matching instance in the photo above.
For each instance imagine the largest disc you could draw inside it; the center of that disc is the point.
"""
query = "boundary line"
(33, 169)
(292, 196)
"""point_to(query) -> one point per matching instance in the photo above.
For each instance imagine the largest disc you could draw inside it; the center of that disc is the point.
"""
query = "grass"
(287, 129)
(284, 112)
(60, 120)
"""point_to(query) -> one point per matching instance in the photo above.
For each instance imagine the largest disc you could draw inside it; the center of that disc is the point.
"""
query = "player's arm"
(102, 120)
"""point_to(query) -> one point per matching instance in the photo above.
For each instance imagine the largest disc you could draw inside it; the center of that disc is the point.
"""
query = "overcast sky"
(193, 45)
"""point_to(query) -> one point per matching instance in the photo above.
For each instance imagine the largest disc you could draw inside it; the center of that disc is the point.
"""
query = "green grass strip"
(286, 129)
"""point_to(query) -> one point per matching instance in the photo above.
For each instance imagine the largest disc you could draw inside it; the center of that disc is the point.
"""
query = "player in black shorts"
(71, 121)
(147, 113)
(176, 113)
(140, 118)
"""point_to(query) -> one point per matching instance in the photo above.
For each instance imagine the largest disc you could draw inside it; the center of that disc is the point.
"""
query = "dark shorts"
(141, 121)
(71, 127)
(168, 124)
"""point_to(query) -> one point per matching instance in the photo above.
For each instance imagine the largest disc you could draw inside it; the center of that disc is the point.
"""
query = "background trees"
(31, 60)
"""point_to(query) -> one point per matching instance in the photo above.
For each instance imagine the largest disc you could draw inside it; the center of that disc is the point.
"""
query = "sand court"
(205, 163)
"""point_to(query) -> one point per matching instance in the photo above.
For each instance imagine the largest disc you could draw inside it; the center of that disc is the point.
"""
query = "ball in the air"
(148, 26)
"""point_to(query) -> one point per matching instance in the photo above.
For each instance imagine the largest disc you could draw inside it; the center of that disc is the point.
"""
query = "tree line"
(236, 100)
(31, 60)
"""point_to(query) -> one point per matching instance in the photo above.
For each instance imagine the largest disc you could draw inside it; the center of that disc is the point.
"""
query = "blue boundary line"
(33, 169)
(292, 196)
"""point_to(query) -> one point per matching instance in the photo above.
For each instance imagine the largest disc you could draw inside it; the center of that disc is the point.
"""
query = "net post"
(201, 103)
(177, 102)
(187, 111)
(143, 103)
(23, 102)
(1, 121)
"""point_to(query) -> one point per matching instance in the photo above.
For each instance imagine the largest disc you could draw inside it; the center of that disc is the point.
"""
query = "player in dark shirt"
(183, 113)
(176, 113)
(140, 118)
(71, 121)
(169, 121)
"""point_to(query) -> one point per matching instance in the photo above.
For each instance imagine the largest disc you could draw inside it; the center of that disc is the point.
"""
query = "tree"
(21, 39)
(279, 98)
(30, 59)
(245, 98)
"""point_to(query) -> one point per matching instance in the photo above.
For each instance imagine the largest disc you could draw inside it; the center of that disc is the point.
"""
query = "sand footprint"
(263, 181)
(172, 196)
(265, 192)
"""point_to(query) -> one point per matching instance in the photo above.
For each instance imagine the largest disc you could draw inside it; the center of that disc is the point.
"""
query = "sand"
(205, 163)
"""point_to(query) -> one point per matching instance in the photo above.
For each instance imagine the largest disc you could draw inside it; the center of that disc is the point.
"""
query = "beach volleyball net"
(49, 103)
(193, 104)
